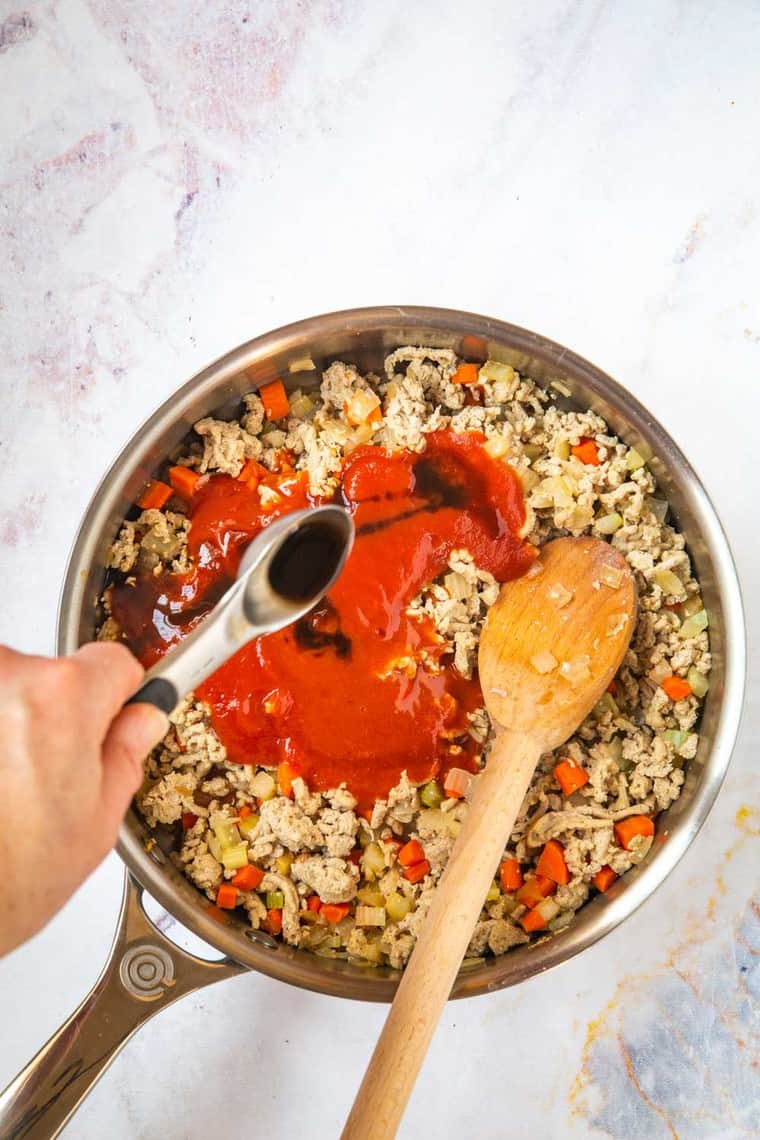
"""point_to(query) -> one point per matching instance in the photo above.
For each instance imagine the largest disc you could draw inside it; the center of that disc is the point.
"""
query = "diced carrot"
(530, 893)
(417, 871)
(313, 902)
(551, 863)
(375, 416)
(245, 811)
(532, 921)
(188, 820)
(334, 912)
(510, 875)
(411, 853)
(604, 879)
(252, 473)
(466, 374)
(184, 481)
(227, 897)
(355, 856)
(154, 496)
(676, 687)
(587, 452)
(287, 772)
(546, 886)
(247, 878)
(473, 346)
(275, 400)
(570, 776)
(273, 921)
(393, 842)
(627, 829)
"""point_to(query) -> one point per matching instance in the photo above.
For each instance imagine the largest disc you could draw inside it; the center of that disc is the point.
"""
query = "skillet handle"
(145, 972)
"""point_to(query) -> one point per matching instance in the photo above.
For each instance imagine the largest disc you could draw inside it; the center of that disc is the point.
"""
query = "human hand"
(70, 762)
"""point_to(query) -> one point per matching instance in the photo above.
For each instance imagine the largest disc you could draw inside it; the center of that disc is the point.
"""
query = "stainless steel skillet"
(146, 970)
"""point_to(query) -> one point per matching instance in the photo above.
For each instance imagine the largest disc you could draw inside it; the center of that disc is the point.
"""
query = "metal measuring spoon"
(283, 574)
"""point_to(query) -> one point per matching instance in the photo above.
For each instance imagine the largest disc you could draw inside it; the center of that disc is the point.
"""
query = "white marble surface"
(176, 177)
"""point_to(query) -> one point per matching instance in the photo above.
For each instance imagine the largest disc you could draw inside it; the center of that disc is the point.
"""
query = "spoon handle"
(432, 969)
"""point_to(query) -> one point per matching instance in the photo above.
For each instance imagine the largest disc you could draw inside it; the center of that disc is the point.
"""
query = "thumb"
(130, 738)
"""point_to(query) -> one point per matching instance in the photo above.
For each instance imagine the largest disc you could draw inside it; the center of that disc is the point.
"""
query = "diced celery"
(691, 606)
(694, 625)
(562, 449)
(533, 450)
(235, 857)
(248, 825)
(699, 683)
(634, 460)
(275, 900)
(494, 370)
(493, 892)
(370, 896)
(263, 786)
(301, 364)
(283, 863)
(225, 831)
(300, 407)
(669, 583)
(432, 794)
(606, 704)
(608, 524)
(548, 909)
(370, 916)
(676, 737)
(214, 847)
(373, 861)
(397, 906)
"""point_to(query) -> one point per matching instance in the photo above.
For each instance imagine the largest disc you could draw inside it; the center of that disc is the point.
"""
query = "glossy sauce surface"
(342, 693)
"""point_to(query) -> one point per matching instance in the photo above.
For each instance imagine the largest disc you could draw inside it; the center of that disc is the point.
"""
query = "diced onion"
(283, 863)
(457, 586)
(497, 447)
(370, 916)
(263, 786)
(691, 606)
(634, 460)
(397, 907)
(373, 860)
(494, 370)
(616, 623)
(301, 364)
(669, 583)
(559, 595)
(699, 682)
(612, 576)
(659, 508)
(457, 782)
(544, 661)
(694, 625)
(563, 389)
(608, 524)
(576, 670)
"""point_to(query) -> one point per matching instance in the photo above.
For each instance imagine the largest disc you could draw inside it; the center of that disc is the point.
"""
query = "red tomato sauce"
(358, 691)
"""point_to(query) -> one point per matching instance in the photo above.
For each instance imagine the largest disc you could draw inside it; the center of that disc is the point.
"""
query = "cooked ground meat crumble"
(341, 883)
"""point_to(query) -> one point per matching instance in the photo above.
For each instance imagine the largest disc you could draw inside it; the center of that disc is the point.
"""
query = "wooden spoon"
(550, 646)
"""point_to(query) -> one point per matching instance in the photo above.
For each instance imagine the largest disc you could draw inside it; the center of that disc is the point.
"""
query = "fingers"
(131, 736)
(110, 675)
